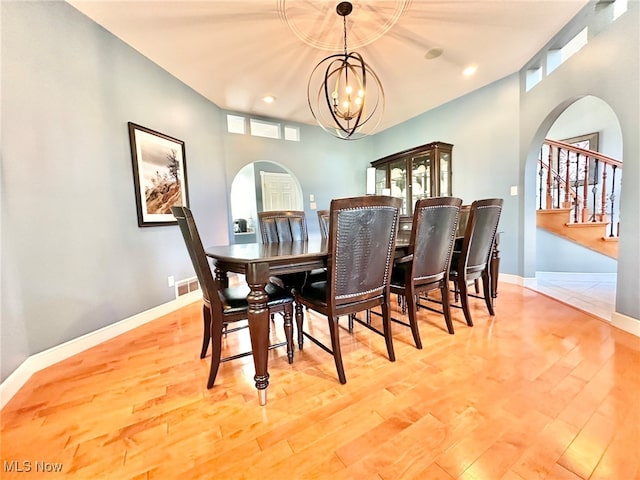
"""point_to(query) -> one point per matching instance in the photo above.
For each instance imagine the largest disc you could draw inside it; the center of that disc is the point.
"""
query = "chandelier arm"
(364, 85)
(327, 76)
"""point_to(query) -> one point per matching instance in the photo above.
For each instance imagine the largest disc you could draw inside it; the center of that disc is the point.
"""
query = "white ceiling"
(234, 52)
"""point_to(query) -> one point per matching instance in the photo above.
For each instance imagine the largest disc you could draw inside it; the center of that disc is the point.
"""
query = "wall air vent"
(187, 285)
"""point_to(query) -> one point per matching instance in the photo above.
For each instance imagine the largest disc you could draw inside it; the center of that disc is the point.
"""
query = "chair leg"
(335, 347)
(288, 331)
(206, 336)
(299, 322)
(386, 327)
(446, 307)
(216, 349)
(486, 287)
(411, 306)
(456, 291)
(464, 299)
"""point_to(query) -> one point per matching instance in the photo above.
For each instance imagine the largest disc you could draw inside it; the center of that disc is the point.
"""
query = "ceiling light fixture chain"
(348, 109)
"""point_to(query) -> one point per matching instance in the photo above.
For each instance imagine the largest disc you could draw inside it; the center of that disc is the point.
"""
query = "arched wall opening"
(564, 269)
(259, 186)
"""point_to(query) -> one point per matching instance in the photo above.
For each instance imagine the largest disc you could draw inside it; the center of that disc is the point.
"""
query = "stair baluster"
(567, 202)
(594, 190)
(603, 200)
(612, 198)
(575, 186)
(540, 175)
(585, 191)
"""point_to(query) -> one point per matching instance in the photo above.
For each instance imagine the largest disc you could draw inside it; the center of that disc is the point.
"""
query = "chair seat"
(316, 275)
(398, 279)
(398, 276)
(315, 291)
(234, 299)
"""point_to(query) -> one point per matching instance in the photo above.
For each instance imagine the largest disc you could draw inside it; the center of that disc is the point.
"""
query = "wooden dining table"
(260, 261)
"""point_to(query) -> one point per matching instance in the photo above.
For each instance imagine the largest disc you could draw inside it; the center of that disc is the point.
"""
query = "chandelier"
(345, 95)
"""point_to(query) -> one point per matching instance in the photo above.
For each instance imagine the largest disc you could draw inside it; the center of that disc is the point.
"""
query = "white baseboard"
(14, 382)
(579, 276)
(628, 324)
(515, 279)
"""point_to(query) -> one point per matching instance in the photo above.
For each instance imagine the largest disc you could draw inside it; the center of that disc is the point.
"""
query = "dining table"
(260, 261)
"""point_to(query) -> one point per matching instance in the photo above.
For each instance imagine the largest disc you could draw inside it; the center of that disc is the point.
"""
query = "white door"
(280, 192)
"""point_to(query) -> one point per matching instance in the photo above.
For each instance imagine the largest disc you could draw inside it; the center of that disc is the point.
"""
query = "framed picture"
(587, 142)
(159, 175)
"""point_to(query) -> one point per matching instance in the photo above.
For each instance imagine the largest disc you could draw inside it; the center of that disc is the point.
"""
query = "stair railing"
(565, 173)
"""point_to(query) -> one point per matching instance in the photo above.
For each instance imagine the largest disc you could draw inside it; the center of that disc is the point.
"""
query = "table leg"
(257, 278)
(221, 276)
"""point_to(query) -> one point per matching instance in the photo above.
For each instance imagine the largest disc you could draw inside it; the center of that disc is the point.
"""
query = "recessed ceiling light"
(268, 99)
(470, 70)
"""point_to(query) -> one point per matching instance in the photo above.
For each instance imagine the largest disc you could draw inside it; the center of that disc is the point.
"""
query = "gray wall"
(556, 254)
(607, 68)
(73, 257)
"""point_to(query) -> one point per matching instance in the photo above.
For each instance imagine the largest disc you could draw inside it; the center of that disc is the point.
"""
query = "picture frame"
(159, 175)
(588, 141)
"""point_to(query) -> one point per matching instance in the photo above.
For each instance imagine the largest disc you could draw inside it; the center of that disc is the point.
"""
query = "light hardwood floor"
(539, 391)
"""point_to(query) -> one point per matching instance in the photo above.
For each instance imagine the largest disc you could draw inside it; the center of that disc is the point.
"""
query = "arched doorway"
(566, 270)
(257, 187)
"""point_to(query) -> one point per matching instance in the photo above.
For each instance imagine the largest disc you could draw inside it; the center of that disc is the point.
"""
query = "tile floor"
(593, 293)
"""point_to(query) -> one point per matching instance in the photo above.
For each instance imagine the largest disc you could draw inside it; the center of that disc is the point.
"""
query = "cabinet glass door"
(399, 183)
(445, 174)
(381, 180)
(420, 177)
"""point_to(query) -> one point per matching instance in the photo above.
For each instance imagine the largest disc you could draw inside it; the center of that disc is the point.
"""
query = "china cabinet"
(419, 172)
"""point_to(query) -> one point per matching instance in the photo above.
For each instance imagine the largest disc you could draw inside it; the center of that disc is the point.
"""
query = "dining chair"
(426, 265)
(361, 244)
(279, 226)
(462, 225)
(323, 220)
(471, 262)
(223, 306)
(319, 274)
